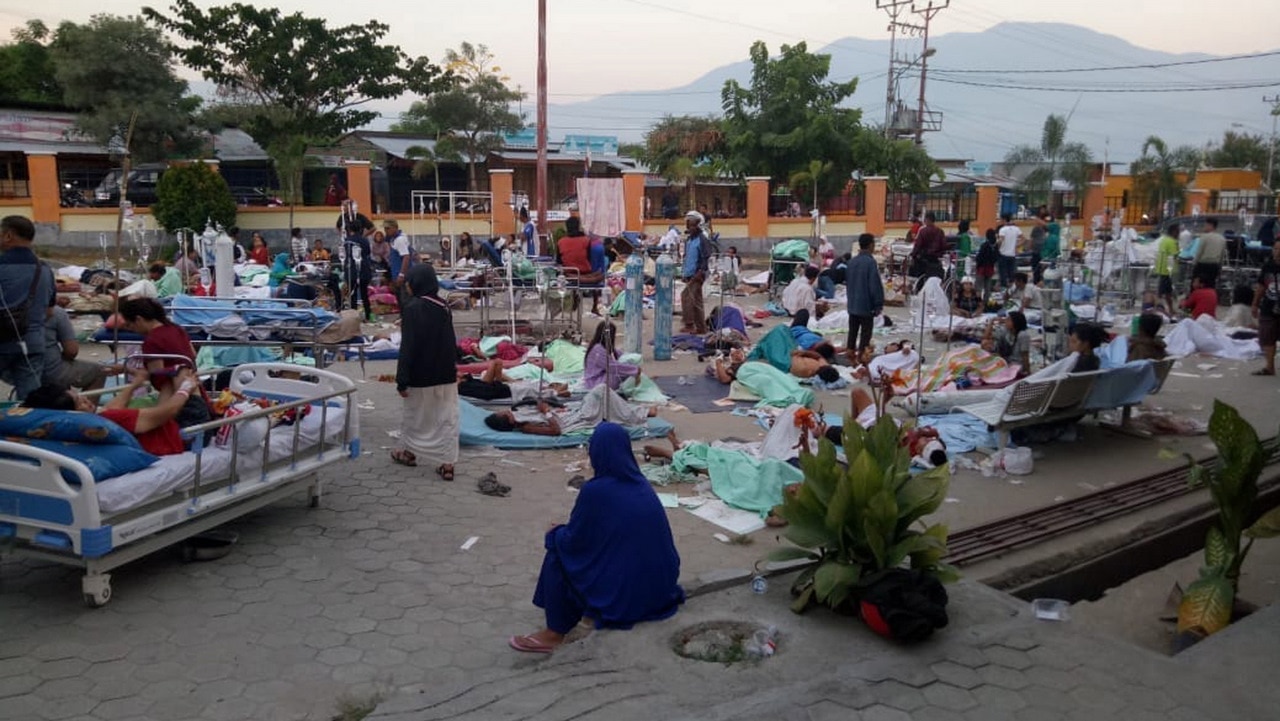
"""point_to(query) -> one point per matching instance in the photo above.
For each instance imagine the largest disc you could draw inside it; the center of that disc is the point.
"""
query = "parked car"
(141, 188)
(254, 197)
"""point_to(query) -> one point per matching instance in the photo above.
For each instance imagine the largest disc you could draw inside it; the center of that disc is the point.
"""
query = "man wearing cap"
(697, 254)
(401, 258)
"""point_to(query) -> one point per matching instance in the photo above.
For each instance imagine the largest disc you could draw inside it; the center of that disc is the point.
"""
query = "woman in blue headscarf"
(280, 270)
(615, 561)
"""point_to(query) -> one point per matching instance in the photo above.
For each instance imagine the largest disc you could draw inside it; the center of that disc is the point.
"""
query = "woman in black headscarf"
(427, 376)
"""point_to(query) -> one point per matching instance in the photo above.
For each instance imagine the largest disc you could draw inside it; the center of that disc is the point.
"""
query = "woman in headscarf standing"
(615, 561)
(427, 376)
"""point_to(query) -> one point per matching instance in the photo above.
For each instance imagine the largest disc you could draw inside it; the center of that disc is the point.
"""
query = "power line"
(1143, 66)
(1131, 89)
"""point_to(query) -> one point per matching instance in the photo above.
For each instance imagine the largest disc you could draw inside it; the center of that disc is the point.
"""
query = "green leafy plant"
(188, 196)
(858, 522)
(1207, 604)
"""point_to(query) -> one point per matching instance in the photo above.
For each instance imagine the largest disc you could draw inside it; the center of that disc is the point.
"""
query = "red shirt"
(168, 339)
(1202, 301)
(575, 252)
(261, 256)
(163, 441)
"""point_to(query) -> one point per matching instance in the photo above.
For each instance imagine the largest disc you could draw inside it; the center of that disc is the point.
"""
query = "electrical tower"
(902, 121)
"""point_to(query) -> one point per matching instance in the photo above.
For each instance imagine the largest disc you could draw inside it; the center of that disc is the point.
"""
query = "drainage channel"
(990, 539)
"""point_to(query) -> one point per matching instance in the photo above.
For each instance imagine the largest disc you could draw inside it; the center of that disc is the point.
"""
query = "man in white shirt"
(800, 295)
(1026, 295)
(1007, 264)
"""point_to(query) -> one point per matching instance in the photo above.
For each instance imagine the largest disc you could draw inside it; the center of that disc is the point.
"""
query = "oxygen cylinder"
(634, 304)
(224, 254)
(665, 306)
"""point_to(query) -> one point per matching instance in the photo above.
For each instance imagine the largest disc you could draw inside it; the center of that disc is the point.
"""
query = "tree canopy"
(474, 114)
(1241, 150)
(112, 68)
(789, 115)
(191, 195)
(1054, 159)
(26, 68)
(1162, 173)
(907, 166)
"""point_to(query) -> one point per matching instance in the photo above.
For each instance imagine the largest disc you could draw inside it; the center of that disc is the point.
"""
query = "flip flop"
(404, 458)
(445, 472)
(529, 644)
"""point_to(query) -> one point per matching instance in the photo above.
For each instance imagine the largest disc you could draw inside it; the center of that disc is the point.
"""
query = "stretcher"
(53, 508)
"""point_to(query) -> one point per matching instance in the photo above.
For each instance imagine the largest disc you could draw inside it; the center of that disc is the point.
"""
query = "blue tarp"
(189, 310)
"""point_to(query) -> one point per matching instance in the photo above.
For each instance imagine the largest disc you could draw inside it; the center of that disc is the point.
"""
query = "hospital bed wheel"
(97, 589)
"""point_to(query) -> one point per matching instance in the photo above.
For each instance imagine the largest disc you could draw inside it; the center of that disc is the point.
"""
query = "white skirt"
(429, 426)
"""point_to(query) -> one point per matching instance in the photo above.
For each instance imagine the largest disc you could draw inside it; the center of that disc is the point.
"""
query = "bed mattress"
(176, 473)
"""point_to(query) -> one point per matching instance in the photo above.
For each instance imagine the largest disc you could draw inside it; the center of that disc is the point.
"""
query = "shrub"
(191, 195)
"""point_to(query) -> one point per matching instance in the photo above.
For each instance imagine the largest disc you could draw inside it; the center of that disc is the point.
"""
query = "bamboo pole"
(124, 191)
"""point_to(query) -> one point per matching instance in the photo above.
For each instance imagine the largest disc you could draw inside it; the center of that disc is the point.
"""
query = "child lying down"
(545, 419)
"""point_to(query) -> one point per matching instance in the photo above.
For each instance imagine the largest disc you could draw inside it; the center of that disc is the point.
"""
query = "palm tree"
(811, 177)
(1054, 159)
(1162, 174)
(427, 161)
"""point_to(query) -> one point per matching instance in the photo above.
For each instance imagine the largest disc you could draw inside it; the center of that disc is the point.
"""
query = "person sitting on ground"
(60, 351)
(1202, 300)
(1240, 314)
(1012, 341)
(155, 428)
(1085, 340)
(495, 384)
(601, 365)
(967, 304)
(1024, 294)
(599, 405)
(800, 295)
(1146, 345)
(615, 561)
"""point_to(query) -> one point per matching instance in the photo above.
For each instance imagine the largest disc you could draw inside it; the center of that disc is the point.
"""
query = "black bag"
(14, 322)
(905, 605)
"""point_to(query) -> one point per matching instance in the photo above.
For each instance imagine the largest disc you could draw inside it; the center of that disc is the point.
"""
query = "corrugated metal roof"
(64, 148)
(398, 145)
(235, 145)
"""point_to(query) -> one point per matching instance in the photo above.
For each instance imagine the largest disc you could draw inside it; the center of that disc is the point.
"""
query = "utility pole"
(894, 8)
(541, 189)
(1274, 100)
(928, 12)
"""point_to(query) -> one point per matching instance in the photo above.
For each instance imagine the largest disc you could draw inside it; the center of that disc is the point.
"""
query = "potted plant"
(861, 521)
(1208, 604)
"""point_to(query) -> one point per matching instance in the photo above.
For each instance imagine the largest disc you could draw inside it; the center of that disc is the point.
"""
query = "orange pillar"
(1197, 201)
(502, 185)
(633, 199)
(360, 185)
(758, 207)
(1095, 201)
(42, 184)
(988, 209)
(877, 192)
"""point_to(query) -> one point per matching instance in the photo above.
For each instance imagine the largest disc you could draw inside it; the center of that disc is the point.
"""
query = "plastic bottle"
(759, 584)
(762, 644)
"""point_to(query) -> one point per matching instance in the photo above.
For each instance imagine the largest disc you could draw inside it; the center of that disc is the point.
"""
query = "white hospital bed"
(100, 526)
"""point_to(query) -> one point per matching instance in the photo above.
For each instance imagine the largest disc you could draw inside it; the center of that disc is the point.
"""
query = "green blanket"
(775, 348)
(792, 250)
(774, 387)
(738, 479)
(568, 358)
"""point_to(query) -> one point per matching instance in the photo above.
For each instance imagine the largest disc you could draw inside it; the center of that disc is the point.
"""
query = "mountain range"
(982, 122)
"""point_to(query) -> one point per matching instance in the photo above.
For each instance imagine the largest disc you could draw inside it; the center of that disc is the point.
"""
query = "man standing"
(1007, 265)
(401, 258)
(697, 253)
(1166, 255)
(27, 296)
(1266, 308)
(1039, 236)
(865, 294)
(930, 245)
(357, 271)
(528, 235)
(1208, 259)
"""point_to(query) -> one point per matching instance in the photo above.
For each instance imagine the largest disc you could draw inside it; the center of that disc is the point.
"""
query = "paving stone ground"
(371, 593)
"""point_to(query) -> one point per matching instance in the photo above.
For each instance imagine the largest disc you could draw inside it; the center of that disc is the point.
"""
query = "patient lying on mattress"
(155, 428)
(600, 404)
(494, 384)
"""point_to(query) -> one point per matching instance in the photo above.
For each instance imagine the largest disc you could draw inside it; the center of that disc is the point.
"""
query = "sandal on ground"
(529, 644)
(445, 471)
(773, 520)
(1263, 372)
(489, 486)
(404, 457)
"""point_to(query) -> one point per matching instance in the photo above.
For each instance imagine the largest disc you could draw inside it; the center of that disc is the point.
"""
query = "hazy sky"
(599, 46)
